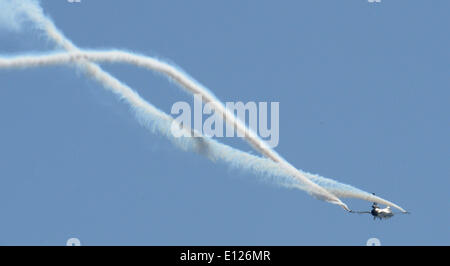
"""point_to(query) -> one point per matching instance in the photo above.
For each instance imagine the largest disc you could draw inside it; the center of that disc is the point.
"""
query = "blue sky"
(363, 91)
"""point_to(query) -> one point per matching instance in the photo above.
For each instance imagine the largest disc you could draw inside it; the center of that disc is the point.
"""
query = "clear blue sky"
(364, 99)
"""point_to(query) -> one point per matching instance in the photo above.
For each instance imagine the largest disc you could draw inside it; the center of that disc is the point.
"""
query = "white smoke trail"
(35, 12)
(215, 149)
(148, 113)
(12, 15)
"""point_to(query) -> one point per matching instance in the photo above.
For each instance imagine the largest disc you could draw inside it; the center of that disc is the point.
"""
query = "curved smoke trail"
(37, 16)
(336, 188)
(148, 115)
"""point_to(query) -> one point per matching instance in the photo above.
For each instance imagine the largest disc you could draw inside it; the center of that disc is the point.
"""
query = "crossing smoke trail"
(336, 188)
(36, 15)
(151, 117)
